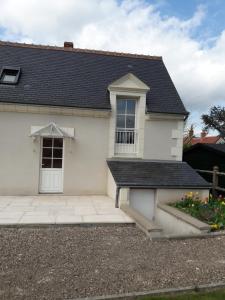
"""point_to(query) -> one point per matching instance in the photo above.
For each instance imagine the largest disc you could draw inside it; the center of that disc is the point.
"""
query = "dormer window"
(9, 75)
(126, 132)
(127, 123)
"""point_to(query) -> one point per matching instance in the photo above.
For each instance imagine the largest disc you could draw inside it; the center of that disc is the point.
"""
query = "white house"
(86, 122)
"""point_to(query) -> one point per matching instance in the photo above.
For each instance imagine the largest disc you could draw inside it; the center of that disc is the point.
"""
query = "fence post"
(215, 181)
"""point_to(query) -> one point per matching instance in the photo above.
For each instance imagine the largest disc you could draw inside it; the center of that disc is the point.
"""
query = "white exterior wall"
(85, 168)
(173, 195)
(111, 186)
(143, 200)
(163, 139)
(111, 190)
(124, 195)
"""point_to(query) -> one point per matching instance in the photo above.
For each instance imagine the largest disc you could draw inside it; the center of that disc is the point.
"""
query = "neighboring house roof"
(80, 78)
(205, 140)
(215, 148)
(155, 174)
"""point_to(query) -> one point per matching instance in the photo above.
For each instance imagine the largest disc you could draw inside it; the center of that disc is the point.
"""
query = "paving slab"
(57, 209)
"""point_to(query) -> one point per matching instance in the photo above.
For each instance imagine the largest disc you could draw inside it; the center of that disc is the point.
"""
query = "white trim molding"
(128, 82)
(177, 135)
(54, 110)
(163, 116)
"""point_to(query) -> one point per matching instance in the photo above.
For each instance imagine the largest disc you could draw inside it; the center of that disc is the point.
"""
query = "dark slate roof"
(215, 148)
(79, 78)
(155, 174)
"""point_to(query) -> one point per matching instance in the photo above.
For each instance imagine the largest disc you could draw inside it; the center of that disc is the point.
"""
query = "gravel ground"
(70, 262)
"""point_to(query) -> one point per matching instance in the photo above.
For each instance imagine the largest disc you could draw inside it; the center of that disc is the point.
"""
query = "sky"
(189, 34)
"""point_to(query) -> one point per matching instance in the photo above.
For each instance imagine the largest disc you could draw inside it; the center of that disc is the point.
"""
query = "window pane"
(120, 121)
(130, 121)
(46, 163)
(120, 107)
(57, 153)
(9, 75)
(47, 152)
(131, 107)
(9, 78)
(57, 163)
(47, 142)
(58, 143)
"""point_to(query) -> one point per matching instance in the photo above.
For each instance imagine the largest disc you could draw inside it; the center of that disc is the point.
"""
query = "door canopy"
(52, 130)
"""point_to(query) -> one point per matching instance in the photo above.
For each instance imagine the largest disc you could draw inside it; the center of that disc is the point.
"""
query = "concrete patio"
(55, 209)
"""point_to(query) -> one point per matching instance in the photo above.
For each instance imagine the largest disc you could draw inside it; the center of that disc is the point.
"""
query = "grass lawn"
(210, 211)
(215, 295)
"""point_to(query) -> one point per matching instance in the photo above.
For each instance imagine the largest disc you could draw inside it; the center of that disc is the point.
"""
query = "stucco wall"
(173, 225)
(173, 195)
(111, 190)
(163, 139)
(143, 200)
(85, 169)
(111, 186)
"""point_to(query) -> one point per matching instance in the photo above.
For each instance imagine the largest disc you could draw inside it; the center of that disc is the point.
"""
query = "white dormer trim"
(129, 83)
(128, 86)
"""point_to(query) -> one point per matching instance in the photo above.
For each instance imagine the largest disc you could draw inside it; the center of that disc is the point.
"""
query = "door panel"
(51, 181)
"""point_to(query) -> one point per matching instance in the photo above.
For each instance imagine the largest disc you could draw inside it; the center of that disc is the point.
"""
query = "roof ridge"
(80, 50)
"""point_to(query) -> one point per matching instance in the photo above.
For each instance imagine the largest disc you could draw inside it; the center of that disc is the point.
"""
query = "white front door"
(51, 169)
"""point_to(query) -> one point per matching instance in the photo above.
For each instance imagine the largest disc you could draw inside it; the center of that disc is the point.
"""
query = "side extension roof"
(155, 174)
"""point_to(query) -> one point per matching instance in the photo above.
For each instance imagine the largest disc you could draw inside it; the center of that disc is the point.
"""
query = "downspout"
(117, 196)
(186, 116)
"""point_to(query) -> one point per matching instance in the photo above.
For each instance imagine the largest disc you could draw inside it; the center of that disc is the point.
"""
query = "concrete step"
(149, 227)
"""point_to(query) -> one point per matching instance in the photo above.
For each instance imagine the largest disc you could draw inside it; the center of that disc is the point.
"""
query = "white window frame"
(140, 98)
(127, 114)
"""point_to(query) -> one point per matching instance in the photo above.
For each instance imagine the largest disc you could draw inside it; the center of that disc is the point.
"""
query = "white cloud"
(197, 69)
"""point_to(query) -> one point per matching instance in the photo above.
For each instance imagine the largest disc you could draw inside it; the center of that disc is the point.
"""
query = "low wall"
(176, 222)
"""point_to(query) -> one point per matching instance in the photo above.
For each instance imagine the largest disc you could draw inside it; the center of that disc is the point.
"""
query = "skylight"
(9, 75)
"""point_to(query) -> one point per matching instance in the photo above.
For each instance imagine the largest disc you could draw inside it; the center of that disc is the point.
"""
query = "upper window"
(9, 75)
(125, 116)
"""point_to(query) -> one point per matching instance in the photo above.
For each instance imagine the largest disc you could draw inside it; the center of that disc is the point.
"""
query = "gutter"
(185, 114)
(162, 187)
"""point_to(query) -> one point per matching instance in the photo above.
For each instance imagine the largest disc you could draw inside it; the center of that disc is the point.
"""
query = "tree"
(188, 136)
(215, 120)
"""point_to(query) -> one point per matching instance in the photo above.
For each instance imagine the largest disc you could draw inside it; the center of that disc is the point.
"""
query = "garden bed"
(209, 210)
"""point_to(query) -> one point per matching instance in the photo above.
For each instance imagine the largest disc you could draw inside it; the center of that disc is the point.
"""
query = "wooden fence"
(215, 179)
